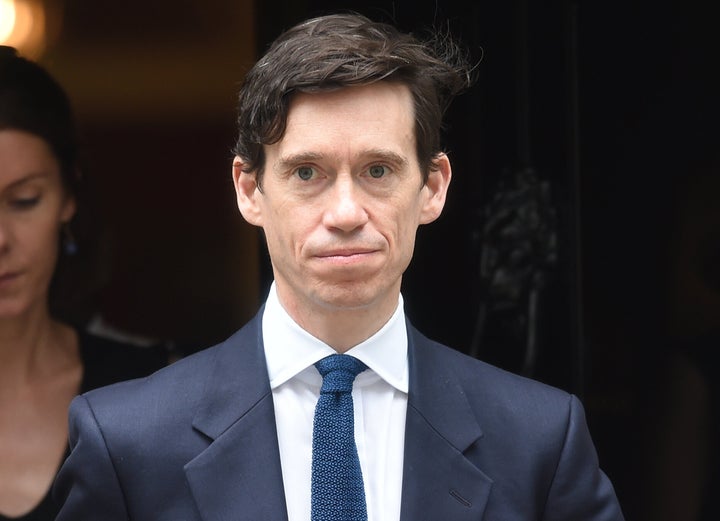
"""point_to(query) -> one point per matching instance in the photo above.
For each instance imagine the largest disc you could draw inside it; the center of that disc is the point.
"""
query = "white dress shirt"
(379, 397)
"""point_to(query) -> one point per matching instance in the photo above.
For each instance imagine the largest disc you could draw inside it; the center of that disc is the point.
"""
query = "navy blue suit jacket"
(197, 441)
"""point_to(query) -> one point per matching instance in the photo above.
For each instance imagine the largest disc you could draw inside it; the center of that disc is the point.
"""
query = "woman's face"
(33, 206)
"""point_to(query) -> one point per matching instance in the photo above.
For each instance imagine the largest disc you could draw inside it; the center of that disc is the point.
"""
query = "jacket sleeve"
(87, 487)
(580, 490)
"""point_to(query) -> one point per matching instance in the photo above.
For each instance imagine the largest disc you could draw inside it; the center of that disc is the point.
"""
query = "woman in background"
(44, 361)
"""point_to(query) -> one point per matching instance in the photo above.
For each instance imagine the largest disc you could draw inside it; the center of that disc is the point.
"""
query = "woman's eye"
(377, 171)
(24, 203)
(305, 173)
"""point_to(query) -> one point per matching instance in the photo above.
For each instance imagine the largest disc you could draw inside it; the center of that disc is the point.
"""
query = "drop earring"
(69, 244)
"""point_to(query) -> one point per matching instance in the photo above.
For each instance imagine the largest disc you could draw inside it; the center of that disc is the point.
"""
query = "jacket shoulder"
(497, 396)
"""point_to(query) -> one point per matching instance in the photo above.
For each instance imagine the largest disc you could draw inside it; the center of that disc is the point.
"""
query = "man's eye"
(377, 171)
(305, 173)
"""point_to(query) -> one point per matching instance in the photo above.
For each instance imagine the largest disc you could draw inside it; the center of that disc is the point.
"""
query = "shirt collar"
(289, 349)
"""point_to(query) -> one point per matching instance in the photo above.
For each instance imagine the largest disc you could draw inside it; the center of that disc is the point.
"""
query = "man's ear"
(247, 192)
(436, 189)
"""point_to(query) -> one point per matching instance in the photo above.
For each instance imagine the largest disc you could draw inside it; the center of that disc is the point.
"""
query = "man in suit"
(338, 160)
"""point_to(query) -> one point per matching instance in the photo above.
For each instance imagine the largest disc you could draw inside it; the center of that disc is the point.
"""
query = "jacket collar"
(240, 470)
(439, 482)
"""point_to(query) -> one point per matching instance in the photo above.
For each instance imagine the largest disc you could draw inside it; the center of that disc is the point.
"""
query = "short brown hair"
(343, 50)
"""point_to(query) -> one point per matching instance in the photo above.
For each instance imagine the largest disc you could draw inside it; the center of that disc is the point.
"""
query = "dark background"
(611, 105)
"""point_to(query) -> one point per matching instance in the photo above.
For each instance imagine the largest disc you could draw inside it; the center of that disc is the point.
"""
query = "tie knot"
(339, 372)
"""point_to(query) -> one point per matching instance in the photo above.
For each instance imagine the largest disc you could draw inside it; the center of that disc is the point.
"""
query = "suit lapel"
(238, 476)
(439, 482)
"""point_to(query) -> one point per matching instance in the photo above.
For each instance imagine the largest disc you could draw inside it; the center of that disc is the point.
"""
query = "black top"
(104, 362)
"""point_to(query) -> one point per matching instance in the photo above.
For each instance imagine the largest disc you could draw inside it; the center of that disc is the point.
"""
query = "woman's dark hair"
(344, 50)
(32, 101)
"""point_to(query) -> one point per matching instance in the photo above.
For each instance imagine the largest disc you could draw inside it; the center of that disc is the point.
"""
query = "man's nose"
(345, 207)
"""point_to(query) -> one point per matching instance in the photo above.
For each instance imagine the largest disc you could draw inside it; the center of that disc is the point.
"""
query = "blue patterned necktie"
(337, 484)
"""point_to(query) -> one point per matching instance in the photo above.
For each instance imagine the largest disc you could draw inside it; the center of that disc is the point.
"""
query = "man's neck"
(341, 328)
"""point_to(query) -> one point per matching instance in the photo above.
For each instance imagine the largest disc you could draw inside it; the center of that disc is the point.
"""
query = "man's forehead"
(380, 108)
(385, 90)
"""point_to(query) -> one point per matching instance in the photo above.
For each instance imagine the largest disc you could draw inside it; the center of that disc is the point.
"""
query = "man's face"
(342, 197)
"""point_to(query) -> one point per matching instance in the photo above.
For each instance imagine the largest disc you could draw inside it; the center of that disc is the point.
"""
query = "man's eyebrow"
(292, 160)
(383, 154)
(375, 154)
